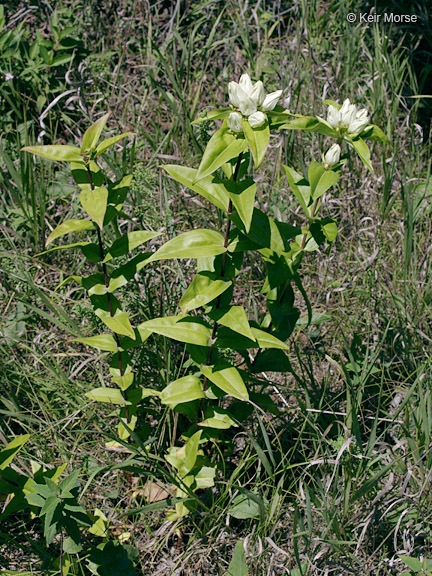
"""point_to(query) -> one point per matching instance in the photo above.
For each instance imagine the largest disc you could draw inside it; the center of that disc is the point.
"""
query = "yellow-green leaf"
(92, 134)
(67, 227)
(110, 395)
(258, 140)
(221, 148)
(182, 390)
(59, 153)
(233, 317)
(94, 203)
(181, 328)
(119, 323)
(103, 342)
(201, 291)
(103, 146)
(195, 244)
(228, 380)
(8, 453)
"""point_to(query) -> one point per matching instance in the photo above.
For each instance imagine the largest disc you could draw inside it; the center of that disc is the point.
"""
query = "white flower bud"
(235, 122)
(332, 155)
(247, 106)
(257, 119)
(271, 100)
(236, 94)
(347, 113)
(246, 84)
(258, 93)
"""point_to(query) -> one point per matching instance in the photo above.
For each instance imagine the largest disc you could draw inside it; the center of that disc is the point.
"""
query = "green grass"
(341, 476)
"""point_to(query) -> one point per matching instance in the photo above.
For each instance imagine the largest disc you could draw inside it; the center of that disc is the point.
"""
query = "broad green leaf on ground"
(127, 243)
(201, 291)
(105, 144)
(118, 323)
(181, 328)
(67, 227)
(228, 380)
(103, 342)
(258, 140)
(233, 317)
(59, 153)
(93, 132)
(221, 147)
(8, 453)
(238, 566)
(94, 203)
(182, 390)
(209, 187)
(110, 395)
(244, 507)
(195, 244)
(242, 195)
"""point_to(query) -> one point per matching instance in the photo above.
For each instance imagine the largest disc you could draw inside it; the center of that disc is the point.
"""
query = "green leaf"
(258, 140)
(218, 418)
(105, 144)
(242, 195)
(119, 323)
(94, 203)
(238, 566)
(213, 115)
(228, 380)
(8, 453)
(244, 507)
(299, 186)
(182, 390)
(201, 291)
(127, 243)
(59, 153)
(221, 147)
(195, 244)
(181, 328)
(92, 134)
(233, 317)
(110, 559)
(362, 150)
(110, 395)
(412, 563)
(210, 187)
(204, 478)
(103, 342)
(375, 133)
(67, 227)
(266, 340)
(190, 453)
(320, 179)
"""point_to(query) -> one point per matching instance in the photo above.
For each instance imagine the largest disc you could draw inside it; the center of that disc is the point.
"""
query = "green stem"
(110, 306)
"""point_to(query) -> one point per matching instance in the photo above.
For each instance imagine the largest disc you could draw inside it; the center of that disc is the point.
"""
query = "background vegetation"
(341, 474)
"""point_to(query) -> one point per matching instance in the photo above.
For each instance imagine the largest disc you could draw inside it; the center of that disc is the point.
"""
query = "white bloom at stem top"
(252, 102)
(332, 156)
(348, 118)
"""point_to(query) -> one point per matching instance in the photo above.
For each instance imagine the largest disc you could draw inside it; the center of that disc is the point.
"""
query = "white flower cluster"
(252, 102)
(348, 118)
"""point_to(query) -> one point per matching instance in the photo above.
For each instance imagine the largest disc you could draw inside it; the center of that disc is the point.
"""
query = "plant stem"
(109, 299)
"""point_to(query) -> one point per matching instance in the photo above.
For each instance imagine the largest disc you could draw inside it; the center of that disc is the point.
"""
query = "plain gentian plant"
(220, 386)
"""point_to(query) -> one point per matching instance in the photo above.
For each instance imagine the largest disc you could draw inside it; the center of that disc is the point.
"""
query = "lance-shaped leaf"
(110, 395)
(121, 276)
(258, 140)
(375, 133)
(209, 187)
(103, 146)
(184, 458)
(103, 342)
(218, 418)
(182, 390)
(363, 151)
(195, 244)
(221, 147)
(299, 186)
(233, 317)
(119, 323)
(320, 179)
(93, 132)
(67, 227)
(213, 115)
(127, 243)
(181, 328)
(228, 380)
(58, 153)
(8, 453)
(94, 203)
(242, 195)
(201, 291)
(266, 340)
